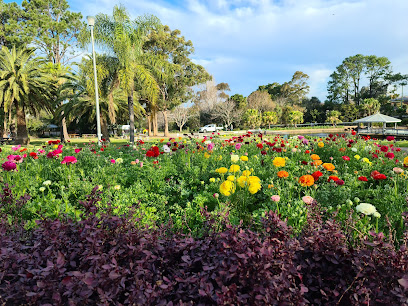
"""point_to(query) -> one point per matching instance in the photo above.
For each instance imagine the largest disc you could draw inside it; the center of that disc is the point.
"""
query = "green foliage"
(252, 118)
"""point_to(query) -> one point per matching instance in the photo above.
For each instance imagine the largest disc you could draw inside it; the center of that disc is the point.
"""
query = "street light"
(91, 23)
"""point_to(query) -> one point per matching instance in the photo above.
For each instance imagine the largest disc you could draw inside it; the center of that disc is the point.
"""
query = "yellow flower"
(357, 157)
(234, 168)
(119, 160)
(246, 173)
(366, 160)
(231, 178)
(242, 181)
(253, 179)
(180, 138)
(406, 160)
(254, 188)
(117, 187)
(234, 158)
(207, 155)
(133, 162)
(320, 144)
(328, 166)
(212, 180)
(315, 157)
(278, 162)
(244, 158)
(55, 146)
(227, 188)
(220, 157)
(222, 170)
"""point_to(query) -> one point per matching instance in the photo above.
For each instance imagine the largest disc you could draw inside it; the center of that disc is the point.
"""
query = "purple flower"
(9, 166)
(210, 146)
(305, 141)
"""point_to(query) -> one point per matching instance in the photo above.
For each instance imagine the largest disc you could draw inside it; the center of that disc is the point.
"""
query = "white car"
(210, 128)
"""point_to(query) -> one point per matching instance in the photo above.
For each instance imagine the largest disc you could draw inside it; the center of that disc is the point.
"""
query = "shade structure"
(378, 118)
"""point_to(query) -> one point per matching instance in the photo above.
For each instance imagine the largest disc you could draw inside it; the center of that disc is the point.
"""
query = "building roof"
(378, 118)
(404, 99)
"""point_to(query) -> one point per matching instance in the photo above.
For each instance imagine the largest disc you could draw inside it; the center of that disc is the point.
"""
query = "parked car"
(210, 128)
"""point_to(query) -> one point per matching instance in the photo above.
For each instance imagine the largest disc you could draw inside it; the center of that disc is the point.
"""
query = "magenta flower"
(113, 161)
(77, 150)
(69, 160)
(275, 198)
(238, 146)
(210, 146)
(15, 158)
(9, 166)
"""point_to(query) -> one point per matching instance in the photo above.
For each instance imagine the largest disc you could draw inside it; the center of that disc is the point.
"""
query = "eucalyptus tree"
(24, 85)
(174, 70)
(123, 38)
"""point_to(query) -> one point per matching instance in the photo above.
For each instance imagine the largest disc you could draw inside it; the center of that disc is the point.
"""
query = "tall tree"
(175, 73)
(269, 118)
(239, 100)
(376, 68)
(24, 85)
(295, 117)
(261, 101)
(252, 118)
(124, 38)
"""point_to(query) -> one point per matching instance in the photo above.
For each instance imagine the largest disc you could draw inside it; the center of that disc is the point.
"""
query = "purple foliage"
(106, 260)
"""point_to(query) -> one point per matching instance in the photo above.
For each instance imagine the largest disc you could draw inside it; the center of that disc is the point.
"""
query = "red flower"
(390, 138)
(149, 153)
(353, 133)
(384, 148)
(9, 166)
(316, 175)
(333, 178)
(345, 157)
(377, 175)
(304, 162)
(389, 155)
(260, 145)
(307, 151)
(263, 152)
(339, 182)
(375, 155)
(362, 178)
(33, 154)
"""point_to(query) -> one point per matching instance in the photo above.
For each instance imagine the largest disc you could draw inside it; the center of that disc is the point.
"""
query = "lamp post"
(91, 23)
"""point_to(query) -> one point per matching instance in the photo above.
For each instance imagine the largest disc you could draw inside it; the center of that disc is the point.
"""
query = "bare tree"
(261, 101)
(180, 116)
(227, 112)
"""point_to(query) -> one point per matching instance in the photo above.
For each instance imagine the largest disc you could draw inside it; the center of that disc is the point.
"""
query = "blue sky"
(248, 43)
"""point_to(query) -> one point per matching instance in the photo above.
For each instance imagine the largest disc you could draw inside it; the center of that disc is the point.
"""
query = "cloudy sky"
(248, 43)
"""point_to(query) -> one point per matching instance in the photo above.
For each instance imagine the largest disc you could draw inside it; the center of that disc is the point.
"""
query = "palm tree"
(80, 93)
(124, 38)
(24, 85)
(295, 117)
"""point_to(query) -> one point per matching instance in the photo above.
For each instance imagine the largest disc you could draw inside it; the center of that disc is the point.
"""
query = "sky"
(248, 43)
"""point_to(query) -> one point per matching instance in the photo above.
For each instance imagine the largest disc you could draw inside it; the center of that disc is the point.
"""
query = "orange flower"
(317, 162)
(306, 180)
(342, 149)
(328, 166)
(333, 178)
(315, 156)
(283, 174)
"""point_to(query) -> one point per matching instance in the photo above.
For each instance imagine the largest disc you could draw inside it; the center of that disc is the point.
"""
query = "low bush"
(105, 259)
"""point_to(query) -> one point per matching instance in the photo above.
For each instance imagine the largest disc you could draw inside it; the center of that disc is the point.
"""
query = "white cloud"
(248, 43)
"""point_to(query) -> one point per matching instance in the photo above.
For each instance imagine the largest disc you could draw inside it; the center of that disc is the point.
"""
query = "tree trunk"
(64, 129)
(181, 128)
(154, 122)
(149, 125)
(22, 134)
(5, 134)
(104, 129)
(166, 124)
(131, 119)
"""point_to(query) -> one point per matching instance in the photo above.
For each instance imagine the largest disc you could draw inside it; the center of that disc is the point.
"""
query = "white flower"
(377, 214)
(234, 158)
(47, 182)
(366, 209)
(117, 187)
(166, 149)
(42, 189)
(354, 149)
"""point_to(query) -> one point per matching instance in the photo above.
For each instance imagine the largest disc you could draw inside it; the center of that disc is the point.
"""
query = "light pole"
(91, 23)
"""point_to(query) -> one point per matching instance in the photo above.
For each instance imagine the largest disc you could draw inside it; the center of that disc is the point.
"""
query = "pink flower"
(69, 160)
(275, 198)
(113, 161)
(238, 146)
(41, 151)
(141, 164)
(9, 166)
(137, 161)
(15, 158)
(345, 157)
(210, 146)
(307, 200)
(15, 148)
(397, 170)
(77, 150)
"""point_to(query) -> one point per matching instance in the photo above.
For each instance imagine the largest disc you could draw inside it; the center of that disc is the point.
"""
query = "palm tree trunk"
(131, 119)
(5, 134)
(166, 123)
(64, 129)
(149, 125)
(154, 122)
(104, 129)
(22, 134)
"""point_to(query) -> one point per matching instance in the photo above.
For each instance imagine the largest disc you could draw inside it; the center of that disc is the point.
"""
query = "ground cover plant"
(183, 220)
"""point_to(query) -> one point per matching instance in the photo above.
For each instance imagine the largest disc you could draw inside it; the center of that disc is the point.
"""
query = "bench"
(73, 135)
(88, 135)
(6, 140)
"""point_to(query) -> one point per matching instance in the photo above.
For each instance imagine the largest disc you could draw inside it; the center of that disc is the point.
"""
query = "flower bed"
(215, 197)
